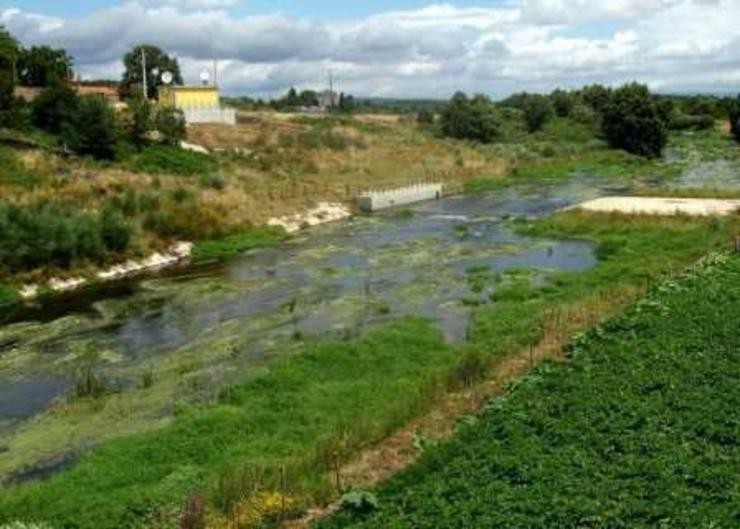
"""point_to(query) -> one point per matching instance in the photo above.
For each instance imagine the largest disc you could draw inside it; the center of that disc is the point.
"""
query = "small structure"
(383, 199)
(200, 104)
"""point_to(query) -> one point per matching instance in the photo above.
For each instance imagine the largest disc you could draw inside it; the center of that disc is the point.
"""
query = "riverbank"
(647, 248)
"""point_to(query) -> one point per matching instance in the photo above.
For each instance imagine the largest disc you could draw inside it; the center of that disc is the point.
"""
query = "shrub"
(632, 121)
(41, 235)
(734, 115)
(163, 159)
(537, 112)
(562, 102)
(140, 120)
(94, 128)
(55, 109)
(471, 119)
(170, 122)
(425, 117)
(8, 296)
(14, 171)
(359, 502)
(681, 121)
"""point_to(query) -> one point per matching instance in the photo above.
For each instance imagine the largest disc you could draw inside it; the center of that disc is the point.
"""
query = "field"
(637, 429)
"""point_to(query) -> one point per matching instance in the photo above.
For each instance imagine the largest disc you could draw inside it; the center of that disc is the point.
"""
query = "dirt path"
(399, 451)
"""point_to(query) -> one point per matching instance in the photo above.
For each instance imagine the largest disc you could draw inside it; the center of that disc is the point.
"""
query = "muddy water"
(332, 281)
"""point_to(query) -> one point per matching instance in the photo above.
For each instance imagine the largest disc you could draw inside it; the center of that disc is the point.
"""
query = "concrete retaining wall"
(226, 116)
(383, 199)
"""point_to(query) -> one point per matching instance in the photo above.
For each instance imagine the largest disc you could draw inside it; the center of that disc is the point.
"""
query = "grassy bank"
(230, 246)
(315, 409)
(639, 429)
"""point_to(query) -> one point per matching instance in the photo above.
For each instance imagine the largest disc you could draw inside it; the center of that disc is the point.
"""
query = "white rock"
(193, 147)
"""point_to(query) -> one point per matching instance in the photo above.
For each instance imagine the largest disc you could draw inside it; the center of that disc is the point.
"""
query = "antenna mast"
(143, 74)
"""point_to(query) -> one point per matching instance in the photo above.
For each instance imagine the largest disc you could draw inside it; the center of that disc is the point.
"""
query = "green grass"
(639, 429)
(171, 160)
(235, 244)
(14, 172)
(331, 397)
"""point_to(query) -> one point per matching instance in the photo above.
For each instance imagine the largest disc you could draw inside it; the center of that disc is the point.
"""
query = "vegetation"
(632, 121)
(625, 434)
(48, 235)
(43, 66)
(470, 119)
(734, 115)
(156, 61)
(93, 131)
(236, 244)
(288, 418)
(8, 55)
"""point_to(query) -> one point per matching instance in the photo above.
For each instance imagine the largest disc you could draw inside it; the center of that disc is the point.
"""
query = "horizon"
(406, 50)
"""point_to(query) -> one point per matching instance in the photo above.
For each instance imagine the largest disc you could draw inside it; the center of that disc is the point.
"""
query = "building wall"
(190, 97)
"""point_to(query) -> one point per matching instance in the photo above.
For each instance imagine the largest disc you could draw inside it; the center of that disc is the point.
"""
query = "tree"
(170, 122)
(425, 116)
(537, 112)
(9, 50)
(562, 102)
(633, 121)
(470, 119)
(43, 66)
(596, 96)
(734, 115)
(347, 103)
(93, 129)
(140, 120)
(156, 61)
(55, 109)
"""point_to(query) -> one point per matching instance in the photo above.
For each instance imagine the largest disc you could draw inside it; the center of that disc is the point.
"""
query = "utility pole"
(331, 89)
(143, 75)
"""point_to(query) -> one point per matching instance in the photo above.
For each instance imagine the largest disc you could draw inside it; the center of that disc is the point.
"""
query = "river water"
(331, 281)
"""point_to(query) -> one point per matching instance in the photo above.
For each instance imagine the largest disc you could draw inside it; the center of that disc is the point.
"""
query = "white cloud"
(432, 51)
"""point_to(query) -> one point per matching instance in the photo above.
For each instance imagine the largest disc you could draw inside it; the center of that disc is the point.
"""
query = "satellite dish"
(167, 77)
(205, 76)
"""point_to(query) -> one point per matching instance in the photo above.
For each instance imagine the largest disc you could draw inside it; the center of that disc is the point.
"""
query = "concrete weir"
(370, 201)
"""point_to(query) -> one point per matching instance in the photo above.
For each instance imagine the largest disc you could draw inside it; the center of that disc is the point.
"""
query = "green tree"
(562, 102)
(347, 104)
(9, 50)
(93, 130)
(734, 115)
(55, 109)
(471, 119)
(43, 66)
(157, 62)
(170, 122)
(634, 121)
(140, 120)
(537, 112)
(596, 96)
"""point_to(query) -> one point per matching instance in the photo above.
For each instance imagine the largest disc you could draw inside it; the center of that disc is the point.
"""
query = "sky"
(403, 48)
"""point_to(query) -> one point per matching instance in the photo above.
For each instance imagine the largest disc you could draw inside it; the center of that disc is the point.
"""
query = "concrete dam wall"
(383, 199)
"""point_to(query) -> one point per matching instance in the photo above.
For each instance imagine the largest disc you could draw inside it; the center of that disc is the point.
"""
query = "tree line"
(629, 117)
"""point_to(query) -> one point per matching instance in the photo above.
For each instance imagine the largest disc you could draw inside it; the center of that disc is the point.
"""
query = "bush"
(140, 120)
(170, 122)
(42, 235)
(681, 121)
(632, 121)
(562, 102)
(471, 119)
(14, 172)
(537, 112)
(163, 159)
(55, 109)
(734, 114)
(8, 296)
(425, 117)
(93, 129)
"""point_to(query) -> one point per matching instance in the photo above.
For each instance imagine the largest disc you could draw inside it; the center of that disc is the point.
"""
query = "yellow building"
(199, 104)
(189, 97)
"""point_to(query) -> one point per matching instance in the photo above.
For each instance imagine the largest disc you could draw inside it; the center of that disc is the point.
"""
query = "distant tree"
(9, 50)
(346, 104)
(562, 102)
(93, 130)
(55, 108)
(156, 61)
(633, 121)
(596, 96)
(43, 66)
(471, 119)
(170, 122)
(537, 112)
(425, 116)
(734, 115)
